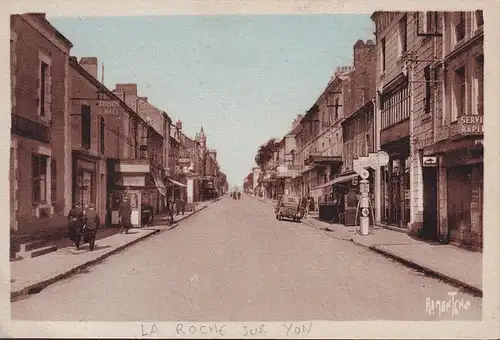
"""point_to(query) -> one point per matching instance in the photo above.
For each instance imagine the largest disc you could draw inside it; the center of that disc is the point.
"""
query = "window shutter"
(39, 87)
(48, 87)
(53, 176)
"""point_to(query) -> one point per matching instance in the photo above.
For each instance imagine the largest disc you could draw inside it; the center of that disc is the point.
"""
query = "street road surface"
(235, 262)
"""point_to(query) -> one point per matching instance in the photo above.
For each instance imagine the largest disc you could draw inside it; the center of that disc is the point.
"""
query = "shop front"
(395, 184)
(89, 182)
(460, 183)
(340, 198)
(137, 181)
(177, 189)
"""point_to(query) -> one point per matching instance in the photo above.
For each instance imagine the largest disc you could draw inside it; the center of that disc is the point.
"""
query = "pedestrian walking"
(169, 212)
(177, 205)
(76, 219)
(92, 224)
(125, 214)
(308, 205)
(183, 206)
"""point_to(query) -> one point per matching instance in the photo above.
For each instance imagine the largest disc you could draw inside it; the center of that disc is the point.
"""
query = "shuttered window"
(86, 126)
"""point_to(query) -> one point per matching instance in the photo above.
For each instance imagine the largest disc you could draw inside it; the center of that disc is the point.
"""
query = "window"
(460, 26)
(459, 94)
(395, 107)
(39, 172)
(86, 126)
(479, 18)
(102, 135)
(427, 98)
(336, 109)
(430, 24)
(44, 87)
(479, 85)
(144, 135)
(133, 137)
(382, 57)
(13, 69)
(53, 180)
(403, 32)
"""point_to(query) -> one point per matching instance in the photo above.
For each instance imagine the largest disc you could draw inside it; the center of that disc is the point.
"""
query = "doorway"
(459, 200)
(430, 223)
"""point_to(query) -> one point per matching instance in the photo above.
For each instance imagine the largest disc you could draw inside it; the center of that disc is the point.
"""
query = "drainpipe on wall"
(377, 180)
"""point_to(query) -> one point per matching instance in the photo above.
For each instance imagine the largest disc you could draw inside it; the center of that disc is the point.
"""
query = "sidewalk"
(32, 275)
(449, 263)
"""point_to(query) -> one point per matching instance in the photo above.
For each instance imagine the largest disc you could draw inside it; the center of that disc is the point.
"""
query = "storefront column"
(443, 200)
(378, 170)
(416, 190)
(190, 192)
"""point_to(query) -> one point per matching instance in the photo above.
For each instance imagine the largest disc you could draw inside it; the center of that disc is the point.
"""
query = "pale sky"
(244, 78)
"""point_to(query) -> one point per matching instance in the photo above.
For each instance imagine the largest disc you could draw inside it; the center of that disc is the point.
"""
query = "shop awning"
(160, 185)
(339, 179)
(177, 183)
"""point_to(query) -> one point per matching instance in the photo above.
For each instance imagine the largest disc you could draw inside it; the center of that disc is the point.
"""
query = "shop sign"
(84, 165)
(108, 107)
(471, 124)
(132, 181)
(355, 180)
(429, 161)
(294, 167)
(184, 160)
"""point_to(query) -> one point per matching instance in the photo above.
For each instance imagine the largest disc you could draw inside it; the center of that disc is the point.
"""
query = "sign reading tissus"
(108, 107)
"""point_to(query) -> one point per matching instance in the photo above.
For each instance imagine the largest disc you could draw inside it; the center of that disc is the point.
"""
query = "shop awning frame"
(177, 183)
(159, 185)
(339, 179)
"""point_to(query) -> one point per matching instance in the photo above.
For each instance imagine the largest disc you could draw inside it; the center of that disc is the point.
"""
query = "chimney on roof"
(90, 65)
(178, 125)
(342, 70)
(363, 53)
(128, 89)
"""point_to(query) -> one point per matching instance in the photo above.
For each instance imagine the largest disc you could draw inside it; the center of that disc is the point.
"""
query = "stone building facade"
(95, 117)
(437, 59)
(393, 118)
(456, 151)
(40, 135)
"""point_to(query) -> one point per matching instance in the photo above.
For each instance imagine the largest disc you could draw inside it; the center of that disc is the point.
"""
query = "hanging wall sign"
(429, 161)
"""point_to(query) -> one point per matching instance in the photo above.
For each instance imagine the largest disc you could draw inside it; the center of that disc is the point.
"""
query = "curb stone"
(45, 283)
(429, 271)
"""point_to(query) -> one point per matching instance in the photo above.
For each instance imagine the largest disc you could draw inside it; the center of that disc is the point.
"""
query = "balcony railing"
(30, 129)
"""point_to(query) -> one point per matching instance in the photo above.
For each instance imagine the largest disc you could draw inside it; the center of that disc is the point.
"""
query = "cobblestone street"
(235, 261)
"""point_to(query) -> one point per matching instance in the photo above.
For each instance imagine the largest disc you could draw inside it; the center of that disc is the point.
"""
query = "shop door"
(429, 229)
(459, 200)
(395, 205)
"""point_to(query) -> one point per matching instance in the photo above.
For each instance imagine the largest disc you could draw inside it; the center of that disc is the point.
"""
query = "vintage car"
(290, 207)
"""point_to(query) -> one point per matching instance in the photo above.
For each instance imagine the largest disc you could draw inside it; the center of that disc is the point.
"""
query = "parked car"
(291, 207)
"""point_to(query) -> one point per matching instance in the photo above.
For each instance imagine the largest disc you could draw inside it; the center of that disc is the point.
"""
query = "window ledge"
(427, 117)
